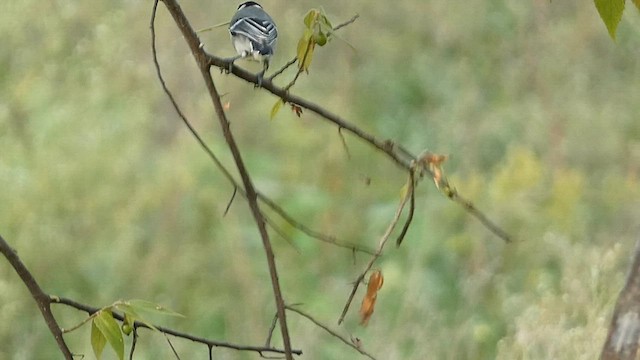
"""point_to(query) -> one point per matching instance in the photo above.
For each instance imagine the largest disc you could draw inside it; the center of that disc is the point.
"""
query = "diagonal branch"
(330, 331)
(42, 299)
(252, 197)
(395, 152)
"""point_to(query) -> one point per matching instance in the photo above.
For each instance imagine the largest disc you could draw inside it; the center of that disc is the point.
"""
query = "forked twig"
(381, 244)
(330, 331)
(41, 298)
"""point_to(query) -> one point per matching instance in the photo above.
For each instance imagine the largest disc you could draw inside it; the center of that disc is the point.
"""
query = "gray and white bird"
(253, 34)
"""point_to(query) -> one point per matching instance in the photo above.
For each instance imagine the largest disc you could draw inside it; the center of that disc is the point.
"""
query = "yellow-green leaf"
(131, 315)
(637, 3)
(305, 53)
(276, 107)
(108, 326)
(310, 18)
(325, 24)
(611, 12)
(98, 341)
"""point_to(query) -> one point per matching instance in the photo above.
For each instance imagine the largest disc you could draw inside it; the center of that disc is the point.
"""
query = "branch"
(227, 174)
(383, 241)
(210, 343)
(42, 299)
(332, 332)
(251, 195)
(395, 152)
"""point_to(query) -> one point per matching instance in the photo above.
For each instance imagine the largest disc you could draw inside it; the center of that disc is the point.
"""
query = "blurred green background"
(106, 196)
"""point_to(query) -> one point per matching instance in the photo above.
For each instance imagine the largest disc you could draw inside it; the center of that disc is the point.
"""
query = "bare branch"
(42, 300)
(332, 332)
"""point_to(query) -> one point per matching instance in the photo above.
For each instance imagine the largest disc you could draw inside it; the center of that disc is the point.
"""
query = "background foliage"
(106, 196)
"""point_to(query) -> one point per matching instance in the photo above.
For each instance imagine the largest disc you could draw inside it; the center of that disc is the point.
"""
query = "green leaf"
(110, 329)
(131, 315)
(98, 341)
(305, 53)
(637, 3)
(276, 107)
(310, 18)
(150, 307)
(325, 24)
(611, 13)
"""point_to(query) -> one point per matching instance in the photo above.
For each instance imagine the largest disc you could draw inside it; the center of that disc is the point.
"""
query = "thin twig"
(330, 331)
(134, 341)
(348, 22)
(282, 69)
(41, 298)
(274, 322)
(453, 194)
(252, 197)
(412, 206)
(344, 143)
(280, 232)
(233, 196)
(381, 244)
(175, 353)
(92, 309)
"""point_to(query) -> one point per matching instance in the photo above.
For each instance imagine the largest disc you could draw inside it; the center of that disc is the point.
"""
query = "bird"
(253, 34)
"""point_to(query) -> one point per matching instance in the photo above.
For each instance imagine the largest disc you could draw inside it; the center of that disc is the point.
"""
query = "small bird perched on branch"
(253, 34)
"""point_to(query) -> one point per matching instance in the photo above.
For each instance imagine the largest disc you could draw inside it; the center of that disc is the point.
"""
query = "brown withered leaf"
(296, 109)
(434, 162)
(369, 301)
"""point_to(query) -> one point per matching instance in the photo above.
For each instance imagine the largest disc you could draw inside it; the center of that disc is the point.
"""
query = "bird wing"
(259, 31)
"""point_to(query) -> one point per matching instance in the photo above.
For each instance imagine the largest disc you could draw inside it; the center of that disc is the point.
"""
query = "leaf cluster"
(105, 328)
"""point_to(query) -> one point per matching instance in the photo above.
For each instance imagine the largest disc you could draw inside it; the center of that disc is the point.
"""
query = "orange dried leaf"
(433, 162)
(369, 300)
(375, 282)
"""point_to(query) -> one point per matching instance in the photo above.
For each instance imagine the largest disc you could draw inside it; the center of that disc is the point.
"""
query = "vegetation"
(105, 195)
